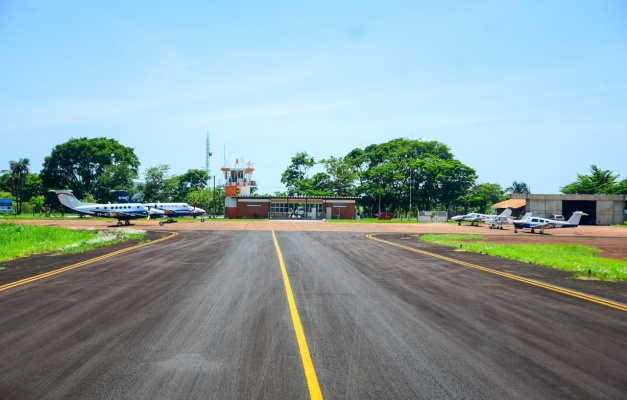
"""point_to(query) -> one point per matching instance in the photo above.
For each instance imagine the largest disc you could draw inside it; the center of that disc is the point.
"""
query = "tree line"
(404, 176)
(401, 175)
(92, 168)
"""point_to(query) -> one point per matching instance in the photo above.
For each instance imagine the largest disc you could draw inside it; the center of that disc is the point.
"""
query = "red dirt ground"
(611, 240)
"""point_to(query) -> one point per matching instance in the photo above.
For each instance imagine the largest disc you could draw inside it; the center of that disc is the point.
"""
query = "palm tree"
(518, 187)
(19, 171)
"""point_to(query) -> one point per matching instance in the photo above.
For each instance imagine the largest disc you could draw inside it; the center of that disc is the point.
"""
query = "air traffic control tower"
(238, 182)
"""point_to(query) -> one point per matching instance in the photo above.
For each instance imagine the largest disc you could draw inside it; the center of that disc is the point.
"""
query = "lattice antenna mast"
(208, 157)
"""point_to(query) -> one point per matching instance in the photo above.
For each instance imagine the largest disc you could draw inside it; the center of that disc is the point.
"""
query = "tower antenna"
(208, 156)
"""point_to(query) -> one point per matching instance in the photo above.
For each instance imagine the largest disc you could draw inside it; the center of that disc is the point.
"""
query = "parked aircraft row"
(171, 210)
(527, 222)
(125, 212)
(476, 218)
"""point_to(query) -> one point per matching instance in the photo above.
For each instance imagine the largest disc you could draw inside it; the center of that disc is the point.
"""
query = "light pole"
(214, 197)
(379, 197)
(410, 192)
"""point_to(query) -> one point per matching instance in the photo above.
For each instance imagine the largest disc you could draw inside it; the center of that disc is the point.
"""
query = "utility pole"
(410, 192)
(379, 197)
(214, 196)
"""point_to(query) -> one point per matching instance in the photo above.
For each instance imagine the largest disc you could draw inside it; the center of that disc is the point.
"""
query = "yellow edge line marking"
(310, 372)
(583, 296)
(80, 264)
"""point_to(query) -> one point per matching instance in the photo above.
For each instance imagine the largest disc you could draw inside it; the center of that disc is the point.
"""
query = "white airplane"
(122, 212)
(169, 210)
(498, 221)
(476, 218)
(534, 223)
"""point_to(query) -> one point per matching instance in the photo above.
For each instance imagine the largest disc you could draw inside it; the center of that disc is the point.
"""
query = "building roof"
(511, 203)
(299, 197)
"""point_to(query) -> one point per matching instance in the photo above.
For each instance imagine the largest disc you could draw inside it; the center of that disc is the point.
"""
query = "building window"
(339, 204)
(254, 204)
(279, 207)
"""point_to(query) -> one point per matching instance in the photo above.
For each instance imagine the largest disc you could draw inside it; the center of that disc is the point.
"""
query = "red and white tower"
(238, 182)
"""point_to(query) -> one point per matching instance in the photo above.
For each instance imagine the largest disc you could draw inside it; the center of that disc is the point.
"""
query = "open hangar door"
(589, 207)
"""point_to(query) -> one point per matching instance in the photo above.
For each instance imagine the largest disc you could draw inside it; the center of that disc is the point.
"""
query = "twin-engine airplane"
(476, 218)
(121, 212)
(169, 210)
(534, 223)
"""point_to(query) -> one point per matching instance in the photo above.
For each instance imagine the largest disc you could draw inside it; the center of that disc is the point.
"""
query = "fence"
(432, 216)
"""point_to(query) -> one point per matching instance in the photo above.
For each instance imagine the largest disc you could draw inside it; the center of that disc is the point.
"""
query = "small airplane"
(476, 218)
(122, 212)
(534, 223)
(169, 210)
(498, 221)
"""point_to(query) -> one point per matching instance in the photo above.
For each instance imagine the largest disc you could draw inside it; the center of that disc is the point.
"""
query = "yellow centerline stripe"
(310, 372)
(80, 264)
(573, 293)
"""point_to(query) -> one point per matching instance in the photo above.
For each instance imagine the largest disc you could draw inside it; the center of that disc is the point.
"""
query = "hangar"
(601, 209)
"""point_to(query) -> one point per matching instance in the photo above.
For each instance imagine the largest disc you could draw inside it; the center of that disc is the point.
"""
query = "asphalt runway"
(206, 315)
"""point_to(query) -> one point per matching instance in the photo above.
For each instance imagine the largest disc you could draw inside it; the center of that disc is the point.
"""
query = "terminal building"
(240, 201)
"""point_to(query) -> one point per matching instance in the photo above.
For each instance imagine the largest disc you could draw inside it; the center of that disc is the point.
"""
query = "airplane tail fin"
(506, 213)
(527, 215)
(122, 196)
(576, 217)
(67, 198)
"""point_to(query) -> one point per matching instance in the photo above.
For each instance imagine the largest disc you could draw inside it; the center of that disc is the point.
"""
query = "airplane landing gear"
(202, 220)
(160, 223)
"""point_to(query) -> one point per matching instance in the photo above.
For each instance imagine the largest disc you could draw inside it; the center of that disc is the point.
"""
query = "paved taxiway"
(205, 315)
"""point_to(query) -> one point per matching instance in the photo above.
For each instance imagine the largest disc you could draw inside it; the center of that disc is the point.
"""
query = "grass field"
(22, 240)
(575, 258)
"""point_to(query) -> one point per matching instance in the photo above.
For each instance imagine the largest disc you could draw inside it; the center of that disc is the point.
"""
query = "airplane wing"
(538, 225)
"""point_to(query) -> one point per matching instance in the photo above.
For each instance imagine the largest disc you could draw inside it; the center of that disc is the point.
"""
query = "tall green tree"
(158, 185)
(5, 181)
(295, 176)
(19, 171)
(406, 175)
(319, 184)
(452, 180)
(481, 197)
(621, 187)
(190, 181)
(210, 200)
(90, 166)
(341, 174)
(597, 182)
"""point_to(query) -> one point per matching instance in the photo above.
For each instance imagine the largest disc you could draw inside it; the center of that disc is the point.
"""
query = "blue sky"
(532, 91)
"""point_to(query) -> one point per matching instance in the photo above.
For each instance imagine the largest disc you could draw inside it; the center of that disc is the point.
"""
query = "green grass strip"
(575, 258)
(22, 240)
